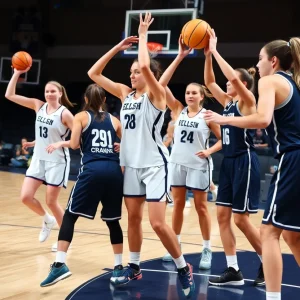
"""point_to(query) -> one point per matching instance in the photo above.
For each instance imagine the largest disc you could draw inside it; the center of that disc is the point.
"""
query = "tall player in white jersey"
(51, 160)
(143, 154)
(189, 165)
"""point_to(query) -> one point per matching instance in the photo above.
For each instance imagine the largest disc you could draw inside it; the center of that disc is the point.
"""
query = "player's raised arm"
(156, 90)
(95, 73)
(11, 95)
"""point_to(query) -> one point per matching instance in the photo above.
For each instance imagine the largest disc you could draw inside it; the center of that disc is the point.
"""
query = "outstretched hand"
(127, 42)
(183, 49)
(214, 117)
(145, 23)
(212, 45)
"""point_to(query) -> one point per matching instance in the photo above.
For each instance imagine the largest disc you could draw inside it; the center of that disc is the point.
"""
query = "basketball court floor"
(25, 262)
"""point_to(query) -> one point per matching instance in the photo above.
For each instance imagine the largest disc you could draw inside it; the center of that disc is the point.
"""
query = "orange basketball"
(21, 60)
(194, 34)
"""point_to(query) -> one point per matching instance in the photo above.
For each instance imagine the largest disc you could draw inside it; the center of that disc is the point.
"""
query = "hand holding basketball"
(144, 24)
(212, 45)
(21, 61)
(127, 42)
(183, 50)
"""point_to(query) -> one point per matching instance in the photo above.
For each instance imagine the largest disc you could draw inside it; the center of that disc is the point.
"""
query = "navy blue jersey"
(284, 130)
(235, 141)
(97, 139)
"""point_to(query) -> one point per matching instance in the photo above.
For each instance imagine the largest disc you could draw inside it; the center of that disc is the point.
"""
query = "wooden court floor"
(25, 262)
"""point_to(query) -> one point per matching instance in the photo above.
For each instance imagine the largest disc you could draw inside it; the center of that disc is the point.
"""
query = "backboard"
(165, 29)
(31, 77)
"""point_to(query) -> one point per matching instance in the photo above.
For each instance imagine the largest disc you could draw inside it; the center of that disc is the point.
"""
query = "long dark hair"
(288, 54)
(95, 96)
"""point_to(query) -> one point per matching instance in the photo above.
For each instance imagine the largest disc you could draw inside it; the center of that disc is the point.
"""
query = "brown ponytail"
(295, 51)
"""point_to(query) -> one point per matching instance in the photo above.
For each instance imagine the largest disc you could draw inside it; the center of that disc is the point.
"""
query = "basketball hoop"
(154, 48)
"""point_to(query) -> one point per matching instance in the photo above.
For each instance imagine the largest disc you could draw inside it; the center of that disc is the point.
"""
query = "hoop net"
(154, 48)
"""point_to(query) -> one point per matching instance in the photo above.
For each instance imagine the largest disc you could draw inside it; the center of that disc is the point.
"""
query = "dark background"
(70, 35)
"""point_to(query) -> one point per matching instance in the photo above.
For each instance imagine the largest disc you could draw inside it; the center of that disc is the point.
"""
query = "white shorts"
(181, 176)
(51, 173)
(146, 182)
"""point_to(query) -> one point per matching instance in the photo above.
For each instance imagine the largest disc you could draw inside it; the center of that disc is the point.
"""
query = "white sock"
(260, 257)
(180, 262)
(134, 258)
(232, 262)
(118, 259)
(48, 218)
(61, 257)
(206, 244)
(178, 238)
(273, 296)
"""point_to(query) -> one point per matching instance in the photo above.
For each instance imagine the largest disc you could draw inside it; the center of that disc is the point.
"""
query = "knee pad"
(67, 227)
(115, 232)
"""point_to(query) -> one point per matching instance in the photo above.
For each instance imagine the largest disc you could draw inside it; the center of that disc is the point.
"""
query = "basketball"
(194, 34)
(21, 60)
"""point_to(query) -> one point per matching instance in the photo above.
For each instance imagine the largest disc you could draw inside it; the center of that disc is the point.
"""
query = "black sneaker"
(229, 277)
(260, 279)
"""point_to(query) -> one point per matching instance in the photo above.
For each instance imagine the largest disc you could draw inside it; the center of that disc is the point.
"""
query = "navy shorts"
(283, 203)
(98, 181)
(239, 183)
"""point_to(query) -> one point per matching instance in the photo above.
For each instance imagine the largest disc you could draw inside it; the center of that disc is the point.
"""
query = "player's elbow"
(74, 145)
(264, 122)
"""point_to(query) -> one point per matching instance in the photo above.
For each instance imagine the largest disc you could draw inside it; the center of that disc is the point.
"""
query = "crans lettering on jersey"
(44, 120)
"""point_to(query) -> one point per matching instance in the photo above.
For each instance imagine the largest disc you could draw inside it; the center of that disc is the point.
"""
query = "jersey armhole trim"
(112, 123)
(89, 121)
(289, 97)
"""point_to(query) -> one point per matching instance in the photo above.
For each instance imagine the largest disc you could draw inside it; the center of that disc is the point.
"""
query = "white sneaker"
(187, 203)
(46, 230)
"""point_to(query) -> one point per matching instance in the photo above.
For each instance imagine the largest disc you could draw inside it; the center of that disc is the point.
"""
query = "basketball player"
(278, 111)
(189, 165)
(239, 183)
(100, 179)
(50, 163)
(143, 153)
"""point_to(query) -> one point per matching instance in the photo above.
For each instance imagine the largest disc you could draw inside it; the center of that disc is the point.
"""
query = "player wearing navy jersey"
(51, 160)
(239, 181)
(278, 111)
(143, 153)
(100, 179)
(189, 165)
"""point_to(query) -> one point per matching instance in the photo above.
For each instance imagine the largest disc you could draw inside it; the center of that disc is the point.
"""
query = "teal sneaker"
(117, 272)
(167, 257)
(206, 257)
(127, 274)
(185, 276)
(56, 274)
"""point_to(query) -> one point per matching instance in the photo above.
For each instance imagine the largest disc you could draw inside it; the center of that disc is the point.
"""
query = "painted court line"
(210, 275)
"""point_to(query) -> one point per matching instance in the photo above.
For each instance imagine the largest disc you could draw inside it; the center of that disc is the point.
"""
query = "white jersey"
(49, 129)
(191, 135)
(141, 143)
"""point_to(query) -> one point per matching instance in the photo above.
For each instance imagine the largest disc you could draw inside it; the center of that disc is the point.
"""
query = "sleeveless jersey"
(141, 143)
(191, 135)
(284, 130)
(97, 139)
(49, 129)
(235, 141)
